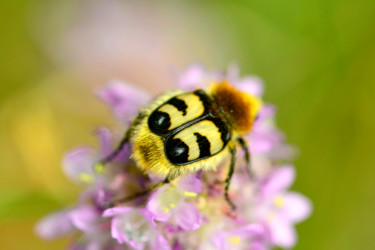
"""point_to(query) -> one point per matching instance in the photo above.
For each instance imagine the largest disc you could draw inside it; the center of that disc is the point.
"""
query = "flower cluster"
(190, 212)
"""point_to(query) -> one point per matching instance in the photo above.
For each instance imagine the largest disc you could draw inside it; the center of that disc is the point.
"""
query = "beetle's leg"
(245, 148)
(139, 194)
(233, 151)
(124, 140)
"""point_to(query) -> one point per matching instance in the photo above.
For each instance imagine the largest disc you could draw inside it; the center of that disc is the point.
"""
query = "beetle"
(184, 132)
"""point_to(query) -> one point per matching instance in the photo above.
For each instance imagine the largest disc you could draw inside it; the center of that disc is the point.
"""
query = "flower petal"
(106, 148)
(251, 84)
(267, 112)
(248, 230)
(105, 139)
(190, 184)
(278, 181)
(218, 241)
(193, 77)
(78, 164)
(124, 99)
(263, 142)
(158, 204)
(110, 212)
(297, 207)
(133, 228)
(85, 218)
(258, 245)
(187, 216)
(283, 233)
(160, 242)
(55, 225)
(150, 217)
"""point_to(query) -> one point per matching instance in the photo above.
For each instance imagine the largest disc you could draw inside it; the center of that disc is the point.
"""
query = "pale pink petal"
(267, 111)
(258, 245)
(297, 207)
(218, 241)
(263, 142)
(248, 230)
(193, 77)
(124, 99)
(149, 216)
(190, 184)
(78, 164)
(102, 197)
(160, 242)
(106, 148)
(133, 228)
(283, 233)
(85, 218)
(105, 140)
(187, 216)
(155, 205)
(278, 181)
(110, 212)
(55, 225)
(116, 233)
(251, 84)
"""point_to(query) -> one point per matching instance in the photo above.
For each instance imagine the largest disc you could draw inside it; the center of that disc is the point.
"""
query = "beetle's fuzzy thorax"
(238, 107)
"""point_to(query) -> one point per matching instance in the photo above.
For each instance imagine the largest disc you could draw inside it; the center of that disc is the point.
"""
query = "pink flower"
(280, 209)
(191, 211)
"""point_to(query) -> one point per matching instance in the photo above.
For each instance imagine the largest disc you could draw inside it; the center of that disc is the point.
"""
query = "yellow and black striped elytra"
(203, 134)
(184, 132)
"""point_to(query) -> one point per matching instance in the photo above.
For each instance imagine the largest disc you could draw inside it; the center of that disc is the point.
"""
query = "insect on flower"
(184, 132)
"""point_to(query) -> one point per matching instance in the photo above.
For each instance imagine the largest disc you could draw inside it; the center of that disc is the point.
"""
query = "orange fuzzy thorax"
(240, 108)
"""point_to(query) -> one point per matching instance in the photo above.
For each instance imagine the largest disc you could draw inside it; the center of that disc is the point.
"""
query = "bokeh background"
(317, 58)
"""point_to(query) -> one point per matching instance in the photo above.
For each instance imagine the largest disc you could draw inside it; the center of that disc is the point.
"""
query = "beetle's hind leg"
(124, 140)
(233, 151)
(245, 148)
(139, 194)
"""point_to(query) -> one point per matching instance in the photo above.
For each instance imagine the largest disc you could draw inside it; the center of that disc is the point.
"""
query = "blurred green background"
(317, 58)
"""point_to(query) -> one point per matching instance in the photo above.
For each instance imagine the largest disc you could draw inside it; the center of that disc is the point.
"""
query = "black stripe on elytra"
(179, 104)
(223, 129)
(204, 99)
(204, 145)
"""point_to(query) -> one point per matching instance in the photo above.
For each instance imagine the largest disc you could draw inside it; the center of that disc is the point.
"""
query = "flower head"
(190, 212)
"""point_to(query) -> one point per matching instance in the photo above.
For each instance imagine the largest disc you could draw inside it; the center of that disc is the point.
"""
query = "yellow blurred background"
(317, 58)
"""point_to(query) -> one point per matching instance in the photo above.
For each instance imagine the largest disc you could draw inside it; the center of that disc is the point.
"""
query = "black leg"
(125, 140)
(229, 177)
(245, 148)
(140, 194)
